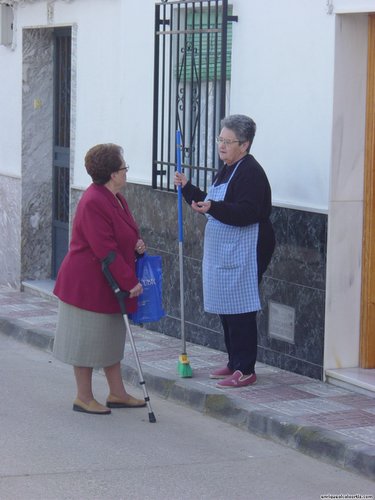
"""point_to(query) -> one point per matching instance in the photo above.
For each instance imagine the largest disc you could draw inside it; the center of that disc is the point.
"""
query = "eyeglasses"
(226, 142)
(126, 168)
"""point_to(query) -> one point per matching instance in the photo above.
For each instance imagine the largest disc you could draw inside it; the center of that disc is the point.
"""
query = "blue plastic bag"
(149, 273)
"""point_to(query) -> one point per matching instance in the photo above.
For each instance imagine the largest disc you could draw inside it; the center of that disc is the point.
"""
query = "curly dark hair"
(102, 160)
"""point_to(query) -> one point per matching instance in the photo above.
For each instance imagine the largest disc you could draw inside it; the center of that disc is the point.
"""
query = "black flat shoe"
(129, 402)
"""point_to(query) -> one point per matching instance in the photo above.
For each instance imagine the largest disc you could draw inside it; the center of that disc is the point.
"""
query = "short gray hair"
(243, 127)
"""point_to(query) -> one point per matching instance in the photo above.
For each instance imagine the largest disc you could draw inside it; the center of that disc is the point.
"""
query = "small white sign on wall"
(281, 321)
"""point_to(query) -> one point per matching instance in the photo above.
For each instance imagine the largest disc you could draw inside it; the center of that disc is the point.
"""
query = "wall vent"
(6, 25)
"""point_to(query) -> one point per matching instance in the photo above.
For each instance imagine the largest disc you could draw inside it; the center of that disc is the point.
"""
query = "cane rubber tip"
(151, 417)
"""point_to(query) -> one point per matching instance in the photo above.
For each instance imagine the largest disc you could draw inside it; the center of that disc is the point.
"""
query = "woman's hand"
(201, 206)
(140, 247)
(137, 290)
(180, 179)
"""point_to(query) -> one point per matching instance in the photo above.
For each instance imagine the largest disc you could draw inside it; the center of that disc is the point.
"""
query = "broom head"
(183, 367)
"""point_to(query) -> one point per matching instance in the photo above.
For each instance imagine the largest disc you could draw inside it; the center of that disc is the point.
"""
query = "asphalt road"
(47, 451)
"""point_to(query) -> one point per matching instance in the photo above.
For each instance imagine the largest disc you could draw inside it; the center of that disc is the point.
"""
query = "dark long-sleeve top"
(247, 200)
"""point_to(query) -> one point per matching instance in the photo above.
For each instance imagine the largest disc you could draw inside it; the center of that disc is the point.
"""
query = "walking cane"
(121, 295)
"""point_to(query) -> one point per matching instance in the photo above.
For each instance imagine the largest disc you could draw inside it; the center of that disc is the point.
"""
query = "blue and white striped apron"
(230, 271)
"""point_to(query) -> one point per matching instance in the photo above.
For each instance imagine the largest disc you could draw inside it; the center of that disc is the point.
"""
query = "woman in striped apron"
(238, 245)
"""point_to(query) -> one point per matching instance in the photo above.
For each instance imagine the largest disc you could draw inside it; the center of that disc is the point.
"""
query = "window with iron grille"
(191, 80)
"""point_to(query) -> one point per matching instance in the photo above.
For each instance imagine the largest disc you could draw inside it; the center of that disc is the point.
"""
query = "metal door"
(61, 146)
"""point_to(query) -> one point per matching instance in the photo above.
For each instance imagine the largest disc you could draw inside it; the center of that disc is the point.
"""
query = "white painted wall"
(114, 80)
(114, 61)
(282, 76)
(10, 112)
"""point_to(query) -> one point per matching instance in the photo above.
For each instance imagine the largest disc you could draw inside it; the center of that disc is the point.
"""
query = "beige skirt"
(86, 338)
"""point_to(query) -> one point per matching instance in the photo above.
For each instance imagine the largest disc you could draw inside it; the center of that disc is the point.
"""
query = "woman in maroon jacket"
(90, 332)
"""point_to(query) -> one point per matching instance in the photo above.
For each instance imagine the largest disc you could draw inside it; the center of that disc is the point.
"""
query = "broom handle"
(179, 190)
(180, 253)
(180, 242)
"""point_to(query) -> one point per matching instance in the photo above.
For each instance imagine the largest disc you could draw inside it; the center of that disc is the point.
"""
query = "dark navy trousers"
(241, 339)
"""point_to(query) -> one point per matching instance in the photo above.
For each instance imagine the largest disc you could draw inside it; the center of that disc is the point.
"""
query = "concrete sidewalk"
(321, 420)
